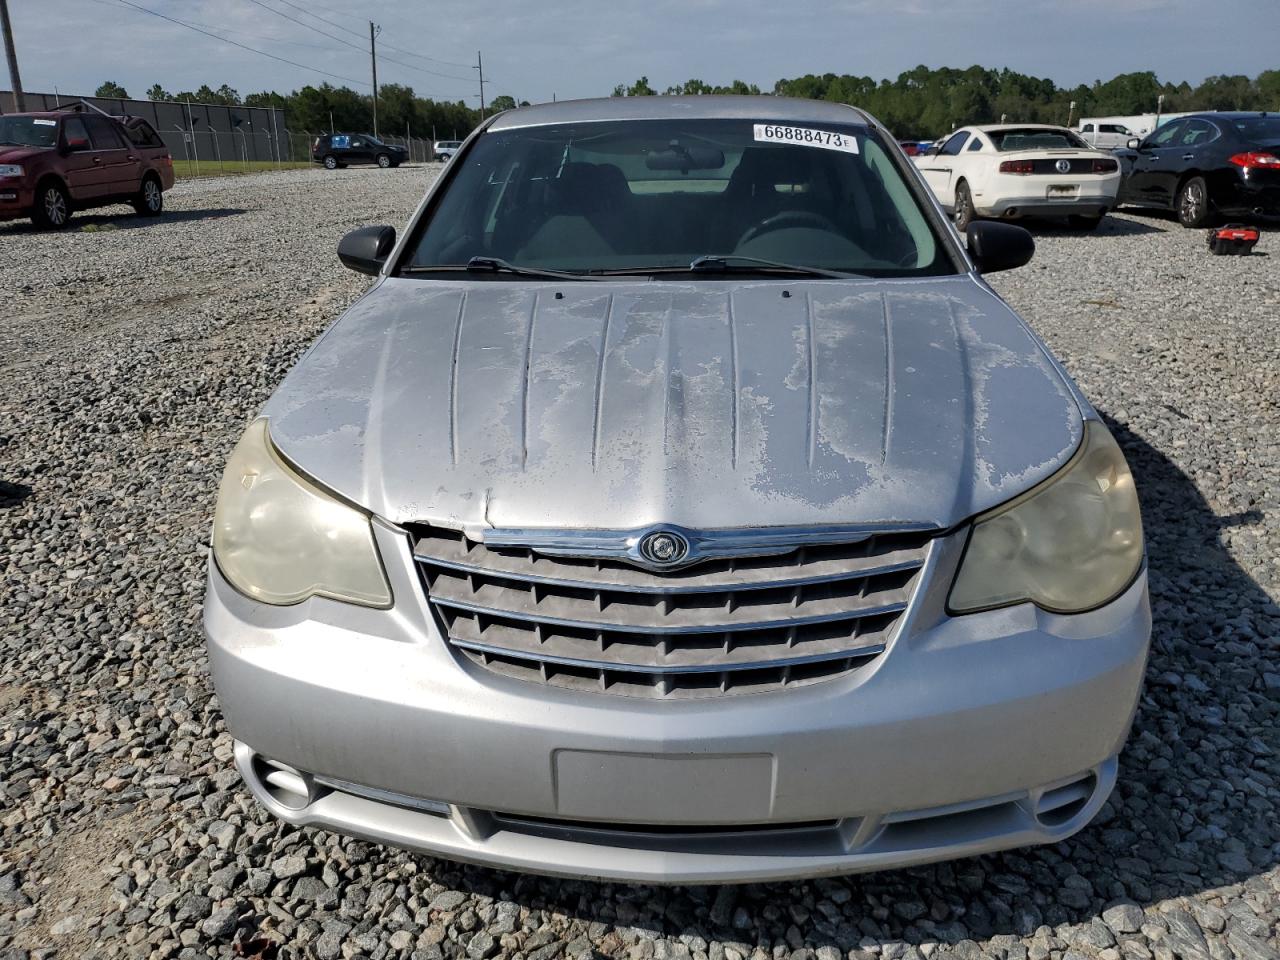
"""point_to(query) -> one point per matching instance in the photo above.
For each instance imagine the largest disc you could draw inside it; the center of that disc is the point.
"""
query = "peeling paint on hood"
(708, 404)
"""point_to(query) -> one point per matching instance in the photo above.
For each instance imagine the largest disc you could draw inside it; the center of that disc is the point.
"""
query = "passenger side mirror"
(365, 250)
(1134, 143)
(997, 246)
(77, 143)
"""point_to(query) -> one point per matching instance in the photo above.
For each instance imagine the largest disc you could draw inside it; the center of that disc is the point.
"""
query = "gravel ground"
(133, 353)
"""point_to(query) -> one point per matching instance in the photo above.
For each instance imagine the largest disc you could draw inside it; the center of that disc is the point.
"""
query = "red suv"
(57, 162)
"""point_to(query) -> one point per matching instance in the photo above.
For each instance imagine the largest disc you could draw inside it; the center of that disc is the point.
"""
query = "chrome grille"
(723, 626)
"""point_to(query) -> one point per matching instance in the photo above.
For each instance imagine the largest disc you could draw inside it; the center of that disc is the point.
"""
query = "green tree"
(1227, 93)
(267, 98)
(640, 88)
(397, 109)
(157, 92)
(112, 89)
(1268, 84)
(503, 102)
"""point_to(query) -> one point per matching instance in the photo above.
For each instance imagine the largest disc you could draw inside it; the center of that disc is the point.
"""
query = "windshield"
(631, 196)
(1263, 130)
(1034, 138)
(29, 131)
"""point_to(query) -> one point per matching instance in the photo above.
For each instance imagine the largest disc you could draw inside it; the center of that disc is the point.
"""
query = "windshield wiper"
(719, 263)
(498, 265)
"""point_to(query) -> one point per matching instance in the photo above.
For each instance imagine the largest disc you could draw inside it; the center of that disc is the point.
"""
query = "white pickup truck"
(1105, 136)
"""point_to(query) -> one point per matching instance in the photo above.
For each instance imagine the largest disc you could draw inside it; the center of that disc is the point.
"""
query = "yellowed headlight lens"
(1071, 544)
(280, 539)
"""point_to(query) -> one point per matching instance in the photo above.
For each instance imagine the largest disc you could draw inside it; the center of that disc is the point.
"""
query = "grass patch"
(233, 168)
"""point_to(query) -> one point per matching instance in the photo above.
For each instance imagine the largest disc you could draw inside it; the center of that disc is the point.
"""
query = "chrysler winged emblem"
(663, 548)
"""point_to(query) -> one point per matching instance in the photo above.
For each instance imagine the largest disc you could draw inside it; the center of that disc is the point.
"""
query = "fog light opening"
(1060, 805)
(287, 786)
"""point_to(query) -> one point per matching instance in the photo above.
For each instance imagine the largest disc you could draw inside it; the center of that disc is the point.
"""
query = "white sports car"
(1027, 170)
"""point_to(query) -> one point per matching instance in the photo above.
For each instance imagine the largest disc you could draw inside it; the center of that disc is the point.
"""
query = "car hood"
(10, 153)
(704, 404)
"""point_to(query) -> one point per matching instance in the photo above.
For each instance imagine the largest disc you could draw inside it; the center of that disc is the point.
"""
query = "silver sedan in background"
(680, 505)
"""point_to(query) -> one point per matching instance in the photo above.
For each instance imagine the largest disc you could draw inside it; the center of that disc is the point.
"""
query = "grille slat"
(446, 550)
(725, 626)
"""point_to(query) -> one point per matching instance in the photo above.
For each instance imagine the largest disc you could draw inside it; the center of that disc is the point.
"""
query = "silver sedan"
(679, 504)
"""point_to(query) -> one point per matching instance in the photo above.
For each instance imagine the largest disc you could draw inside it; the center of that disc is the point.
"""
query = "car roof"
(42, 114)
(998, 127)
(777, 109)
(1230, 115)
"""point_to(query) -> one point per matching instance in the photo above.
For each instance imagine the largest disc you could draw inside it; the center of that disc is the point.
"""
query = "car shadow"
(1111, 226)
(1184, 818)
(124, 220)
(12, 494)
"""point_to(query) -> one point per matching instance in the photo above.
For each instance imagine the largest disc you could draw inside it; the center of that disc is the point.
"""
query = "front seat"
(588, 207)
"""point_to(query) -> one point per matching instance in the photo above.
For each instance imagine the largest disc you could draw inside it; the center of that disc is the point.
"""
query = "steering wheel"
(786, 219)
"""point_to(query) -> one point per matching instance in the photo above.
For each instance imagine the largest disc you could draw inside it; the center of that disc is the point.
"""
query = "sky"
(578, 48)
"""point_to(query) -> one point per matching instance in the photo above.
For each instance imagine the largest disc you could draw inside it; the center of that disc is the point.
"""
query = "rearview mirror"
(365, 250)
(999, 246)
(1134, 143)
(682, 158)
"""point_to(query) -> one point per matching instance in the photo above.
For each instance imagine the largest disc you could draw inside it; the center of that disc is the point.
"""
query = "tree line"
(922, 102)
(927, 102)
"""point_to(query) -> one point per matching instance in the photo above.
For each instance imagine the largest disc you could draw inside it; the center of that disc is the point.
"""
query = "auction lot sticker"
(805, 137)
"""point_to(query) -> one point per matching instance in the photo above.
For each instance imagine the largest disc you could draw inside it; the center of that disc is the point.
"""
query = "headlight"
(1070, 544)
(10, 170)
(280, 539)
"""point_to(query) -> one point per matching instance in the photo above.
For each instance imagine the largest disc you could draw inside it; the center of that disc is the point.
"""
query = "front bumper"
(16, 200)
(969, 734)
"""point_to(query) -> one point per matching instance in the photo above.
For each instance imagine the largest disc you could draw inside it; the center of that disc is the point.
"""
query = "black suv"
(336, 150)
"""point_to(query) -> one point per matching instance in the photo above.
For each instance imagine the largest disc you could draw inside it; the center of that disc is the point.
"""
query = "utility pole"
(480, 67)
(373, 56)
(11, 54)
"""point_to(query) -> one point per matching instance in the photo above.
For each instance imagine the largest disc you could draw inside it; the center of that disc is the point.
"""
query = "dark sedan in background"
(1207, 166)
(336, 150)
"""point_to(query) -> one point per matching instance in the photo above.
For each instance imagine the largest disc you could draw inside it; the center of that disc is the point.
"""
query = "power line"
(409, 66)
(322, 19)
(338, 13)
(242, 46)
(423, 56)
(301, 23)
(361, 48)
(407, 53)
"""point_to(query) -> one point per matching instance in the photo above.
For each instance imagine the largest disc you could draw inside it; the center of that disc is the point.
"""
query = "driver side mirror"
(365, 250)
(77, 143)
(1134, 143)
(995, 246)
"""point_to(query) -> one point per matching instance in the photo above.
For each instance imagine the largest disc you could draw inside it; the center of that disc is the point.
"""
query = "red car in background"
(56, 162)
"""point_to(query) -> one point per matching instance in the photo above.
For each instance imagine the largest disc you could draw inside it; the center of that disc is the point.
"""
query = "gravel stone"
(220, 925)
(1123, 917)
(132, 356)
